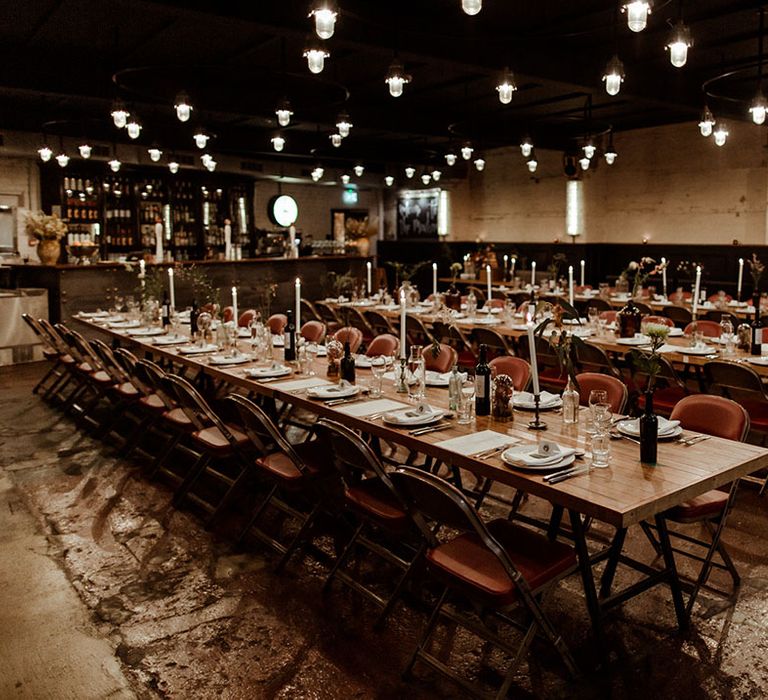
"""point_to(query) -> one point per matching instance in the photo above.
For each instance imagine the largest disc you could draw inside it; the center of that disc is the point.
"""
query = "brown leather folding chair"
(615, 388)
(591, 358)
(495, 341)
(518, 369)
(308, 311)
(351, 335)
(379, 323)
(443, 361)
(385, 344)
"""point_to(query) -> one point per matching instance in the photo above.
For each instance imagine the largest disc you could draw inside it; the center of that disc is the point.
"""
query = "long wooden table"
(622, 495)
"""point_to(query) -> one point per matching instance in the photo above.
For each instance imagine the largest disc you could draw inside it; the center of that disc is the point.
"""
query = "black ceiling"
(65, 60)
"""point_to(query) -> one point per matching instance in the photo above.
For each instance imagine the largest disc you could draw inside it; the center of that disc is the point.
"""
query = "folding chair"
(615, 388)
(591, 358)
(497, 343)
(379, 323)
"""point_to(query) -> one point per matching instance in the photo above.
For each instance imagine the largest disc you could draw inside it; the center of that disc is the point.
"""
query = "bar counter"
(73, 288)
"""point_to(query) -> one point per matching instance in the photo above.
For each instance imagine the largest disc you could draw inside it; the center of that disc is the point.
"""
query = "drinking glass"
(593, 315)
(596, 398)
(466, 401)
(379, 367)
(311, 350)
(415, 378)
(601, 450)
(302, 359)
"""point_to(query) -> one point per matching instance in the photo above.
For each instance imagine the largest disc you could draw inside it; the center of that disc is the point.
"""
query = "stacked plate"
(275, 370)
(238, 359)
(421, 415)
(637, 340)
(145, 332)
(198, 349)
(668, 429)
(170, 339)
(697, 350)
(333, 391)
(528, 457)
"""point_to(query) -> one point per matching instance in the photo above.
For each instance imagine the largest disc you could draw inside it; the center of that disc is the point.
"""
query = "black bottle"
(193, 318)
(165, 311)
(289, 351)
(347, 365)
(649, 431)
(483, 384)
(532, 306)
(757, 329)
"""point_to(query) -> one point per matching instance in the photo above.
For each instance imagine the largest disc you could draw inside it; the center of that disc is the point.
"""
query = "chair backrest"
(313, 331)
(660, 320)
(716, 297)
(719, 314)
(327, 314)
(246, 317)
(714, 415)
(348, 334)
(710, 329)
(38, 330)
(152, 376)
(417, 331)
(356, 319)
(378, 322)
(733, 381)
(496, 303)
(667, 374)
(518, 369)
(443, 361)
(643, 308)
(679, 314)
(591, 358)
(53, 336)
(128, 361)
(608, 316)
(79, 347)
(277, 323)
(384, 344)
(190, 400)
(615, 388)
(108, 362)
(227, 314)
(496, 342)
(599, 304)
(352, 456)
(308, 311)
(479, 294)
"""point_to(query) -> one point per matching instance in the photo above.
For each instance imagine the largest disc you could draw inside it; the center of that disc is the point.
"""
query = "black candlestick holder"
(536, 423)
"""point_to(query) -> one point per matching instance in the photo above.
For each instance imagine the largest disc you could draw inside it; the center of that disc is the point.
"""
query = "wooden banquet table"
(622, 495)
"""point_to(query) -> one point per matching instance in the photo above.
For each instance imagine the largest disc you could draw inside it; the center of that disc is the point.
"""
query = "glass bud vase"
(453, 298)
(628, 320)
(570, 403)
(649, 432)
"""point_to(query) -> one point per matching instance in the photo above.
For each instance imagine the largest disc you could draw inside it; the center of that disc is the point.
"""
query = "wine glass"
(593, 315)
(466, 401)
(311, 350)
(379, 366)
(596, 398)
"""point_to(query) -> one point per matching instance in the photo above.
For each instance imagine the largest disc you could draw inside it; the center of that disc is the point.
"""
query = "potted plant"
(756, 269)
(453, 295)
(45, 233)
(628, 318)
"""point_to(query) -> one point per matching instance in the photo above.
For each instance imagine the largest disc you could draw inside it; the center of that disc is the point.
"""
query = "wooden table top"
(621, 495)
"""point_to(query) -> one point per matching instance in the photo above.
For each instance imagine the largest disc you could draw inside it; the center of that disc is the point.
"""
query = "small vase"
(628, 320)
(570, 403)
(453, 298)
(649, 432)
(48, 250)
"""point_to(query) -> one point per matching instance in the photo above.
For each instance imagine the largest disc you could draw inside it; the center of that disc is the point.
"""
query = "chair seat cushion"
(280, 466)
(153, 403)
(49, 354)
(127, 390)
(68, 359)
(371, 498)
(85, 368)
(213, 440)
(178, 419)
(707, 505)
(466, 561)
(101, 377)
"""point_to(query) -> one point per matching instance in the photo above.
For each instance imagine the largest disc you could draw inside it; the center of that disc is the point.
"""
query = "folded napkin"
(546, 399)
(414, 415)
(433, 377)
(531, 455)
(666, 427)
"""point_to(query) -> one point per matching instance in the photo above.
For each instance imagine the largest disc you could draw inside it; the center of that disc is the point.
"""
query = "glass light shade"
(45, 153)
(316, 59)
(345, 178)
(315, 175)
(532, 164)
(62, 159)
(466, 152)
(336, 140)
(613, 76)
(480, 164)
(114, 165)
(471, 7)
(133, 128)
(720, 134)
(426, 178)
(211, 165)
(450, 158)
(584, 163)
(678, 53)
(173, 166)
(389, 181)
(637, 14)
(395, 83)
(206, 158)
(707, 122)
(589, 150)
(85, 150)
(610, 157)
(343, 124)
(526, 148)
(278, 143)
(325, 22)
(201, 139)
(758, 109)
(436, 175)
(284, 115)
(182, 107)
(506, 88)
(359, 170)
(155, 154)
(410, 172)
(119, 117)
(320, 171)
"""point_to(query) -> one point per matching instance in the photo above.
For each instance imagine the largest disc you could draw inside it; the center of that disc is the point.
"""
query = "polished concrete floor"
(108, 592)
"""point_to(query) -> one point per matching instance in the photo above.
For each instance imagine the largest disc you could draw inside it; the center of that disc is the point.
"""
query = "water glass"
(597, 397)
(466, 402)
(601, 450)
(311, 350)
(379, 367)
(415, 379)
(593, 316)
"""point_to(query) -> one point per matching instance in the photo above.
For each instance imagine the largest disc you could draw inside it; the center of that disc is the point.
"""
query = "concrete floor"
(108, 592)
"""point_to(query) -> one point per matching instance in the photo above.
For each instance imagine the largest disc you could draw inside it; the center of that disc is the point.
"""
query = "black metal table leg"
(613, 562)
(588, 580)
(671, 570)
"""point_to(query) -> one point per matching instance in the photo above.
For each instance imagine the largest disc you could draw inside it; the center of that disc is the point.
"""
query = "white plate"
(334, 391)
(762, 361)
(170, 340)
(667, 429)
(637, 340)
(267, 372)
(145, 332)
(699, 350)
(228, 360)
(483, 320)
(514, 457)
(676, 333)
(93, 314)
(524, 399)
(124, 324)
(402, 417)
(196, 349)
(365, 362)
(433, 378)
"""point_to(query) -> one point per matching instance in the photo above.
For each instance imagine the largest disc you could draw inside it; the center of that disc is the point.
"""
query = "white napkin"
(274, 370)
(412, 415)
(666, 427)
(525, 399)
(196, 349)
(530, 456)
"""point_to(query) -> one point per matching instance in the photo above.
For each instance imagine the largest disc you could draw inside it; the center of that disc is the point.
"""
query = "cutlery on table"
(340, 402)
(562, 476)
(429, 429)
(485, 454)
(694, 440)
(621, 436)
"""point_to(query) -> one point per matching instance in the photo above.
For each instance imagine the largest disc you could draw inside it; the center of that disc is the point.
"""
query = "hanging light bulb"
(426, 178)
(532, 163)
(450, 158)
(410, 172)
(133, 127)
(707, 122)
(480, 164)
(758, 108)
(278, 143)
(637, 14)
(315, 56)
(584, 163)
(467, 151)
(589, 149)
(343, 124)
(614, 75)
(389, 180)
(85, 150)
(506, 87)
(679, 43)
(155, 154)
(526, 147)
(345, 178)
(359, 170)
(325, 14)
(201, 139)
(114, 165)
(336, 140)
(62, 159)
(396, 78)
(45, 153)
(211, 165)
(182, 107)
(205, 159)
(317, 173)
(471, 7)
(119, 114)
(284, 113)
(610, 152)
(436, 175)
(173, 166)
(721, 134)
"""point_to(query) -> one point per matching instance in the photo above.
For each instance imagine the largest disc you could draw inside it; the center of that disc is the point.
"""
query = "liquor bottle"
(193, 318)
(347, 365)
(290, 339)
(454, 389)
(483, 384)
(166, 310)
(757, 329)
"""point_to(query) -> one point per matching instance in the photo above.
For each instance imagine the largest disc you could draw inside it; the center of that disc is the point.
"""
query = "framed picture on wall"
(417, 213)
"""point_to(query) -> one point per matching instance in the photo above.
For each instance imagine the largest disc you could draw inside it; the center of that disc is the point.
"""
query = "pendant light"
(278, 142)
(480, 164)
(62, 159)
(450, 158)
(637, 12)
(284, 113)
(426, 178)
(336, 140)
(85, 150)
(359, 170)
(679, 43)
(532, 162)
(467, 151)
(707, 122)
(114, 164)
(720, 134)
(610, 152)
(396, 78)
(201, 138)
(410, 171)
(758, 107)
(325, 13)
(45, 153)
(206, 158)
(589, 149)
(183, 107)
(526, 147)
(345, 178)
(506, 87)
(436, 174)
(315, 55)
(155, 153)
(317, 173)
(614, 75)
(119, 114)
(343, 124)
(133, 127)
(584, 163)
(211, 165)
(389, 180)
(173, 166)
(471, 7)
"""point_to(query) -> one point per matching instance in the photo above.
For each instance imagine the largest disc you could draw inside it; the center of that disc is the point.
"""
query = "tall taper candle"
(142, 272)
(741, 277)
(533, 274)
(402, 323)
(664, 275)
(512, 269)
(506, 267)
(434, 281)
(234, 304)
(532, 355)
(158, 242)
(368, 275)
(297, 311)
(583, 271)
(488, 280)
(570, 285)
(696, 291)
(171, 288)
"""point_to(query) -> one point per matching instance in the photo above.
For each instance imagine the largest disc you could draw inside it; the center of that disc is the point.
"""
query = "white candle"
(171, 288)
(402, 323)
(506, 265)
(741, 276)
(234, 304)
(228, 241)
(533, 274)
(583, 270)
(368, 271)
(532, 353)
(158, 242)
(142, 272)
(297, 312)
(696, 290)
(488, 280)
(664, 275)
(434, 281)
(512, 271)
(570, 285)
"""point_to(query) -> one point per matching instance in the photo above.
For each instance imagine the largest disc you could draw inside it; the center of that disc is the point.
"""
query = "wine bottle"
(166, 310)
(290, 339)
(757, 329)
(532, 306)
(347, 365)
(483, 384)
(193, 318)
(454, 389)
(649, 432)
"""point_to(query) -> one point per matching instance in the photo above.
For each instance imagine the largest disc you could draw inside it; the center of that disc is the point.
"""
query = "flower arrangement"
(42, 227)
(456, 269)
(156, 281)
(503, 389)
(334, 352)
(756, 269)
(641, 270)
(649, 362)
(563, 343)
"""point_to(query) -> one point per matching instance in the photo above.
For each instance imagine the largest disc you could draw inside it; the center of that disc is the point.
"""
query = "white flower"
(633, 265)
